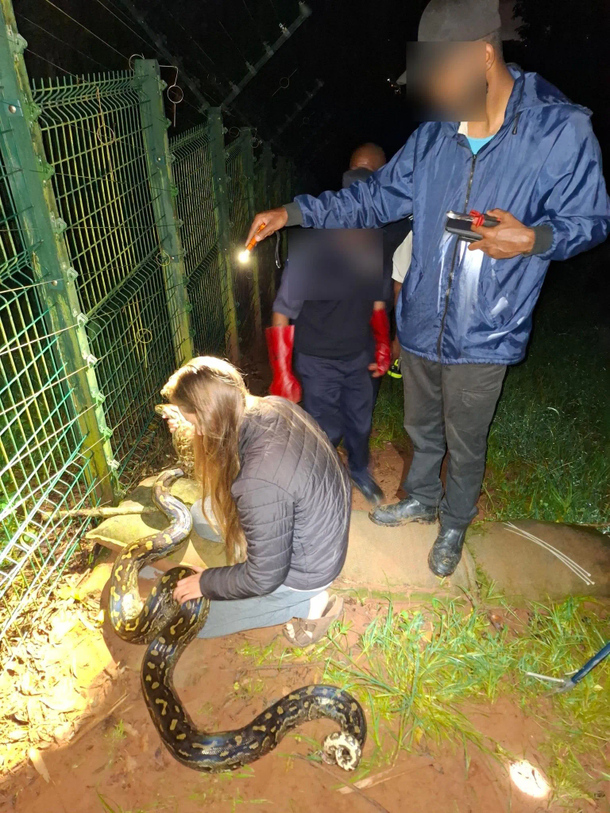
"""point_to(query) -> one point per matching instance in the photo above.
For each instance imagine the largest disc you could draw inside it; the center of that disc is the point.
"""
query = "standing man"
(341, 348)
(465, 311)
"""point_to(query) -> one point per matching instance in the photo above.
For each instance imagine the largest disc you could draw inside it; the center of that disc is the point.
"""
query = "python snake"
(168, 627)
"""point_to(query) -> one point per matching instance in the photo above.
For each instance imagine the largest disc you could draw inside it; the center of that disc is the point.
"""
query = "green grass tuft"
(420, 673)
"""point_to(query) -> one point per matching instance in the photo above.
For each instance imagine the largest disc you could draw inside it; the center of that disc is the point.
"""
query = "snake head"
(342, 749)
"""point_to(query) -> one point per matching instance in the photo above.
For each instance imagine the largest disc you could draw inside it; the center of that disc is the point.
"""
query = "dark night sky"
(352, 46)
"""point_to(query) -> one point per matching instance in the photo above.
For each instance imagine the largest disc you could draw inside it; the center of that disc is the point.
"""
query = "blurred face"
(367, 158)
(451, 78)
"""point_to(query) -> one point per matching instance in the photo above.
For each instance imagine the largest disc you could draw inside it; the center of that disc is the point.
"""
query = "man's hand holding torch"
(271, 221)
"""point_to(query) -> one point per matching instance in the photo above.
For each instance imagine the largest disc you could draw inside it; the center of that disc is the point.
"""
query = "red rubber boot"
(280, 342)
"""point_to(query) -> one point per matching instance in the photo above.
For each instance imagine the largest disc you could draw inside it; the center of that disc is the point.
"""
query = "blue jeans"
(227, 617)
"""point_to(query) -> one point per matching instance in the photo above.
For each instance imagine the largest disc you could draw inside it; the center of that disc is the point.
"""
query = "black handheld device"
(461, 224)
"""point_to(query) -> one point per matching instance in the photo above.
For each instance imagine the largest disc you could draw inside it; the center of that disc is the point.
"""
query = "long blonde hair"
(214, 392)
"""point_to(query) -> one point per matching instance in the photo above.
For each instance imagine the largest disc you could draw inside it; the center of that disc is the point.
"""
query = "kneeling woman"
(281, 498)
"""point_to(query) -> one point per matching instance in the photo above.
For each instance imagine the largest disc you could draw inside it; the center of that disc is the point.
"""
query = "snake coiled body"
(168, 627)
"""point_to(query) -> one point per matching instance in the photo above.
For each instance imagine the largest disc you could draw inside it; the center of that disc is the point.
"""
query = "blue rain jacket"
(543, 166)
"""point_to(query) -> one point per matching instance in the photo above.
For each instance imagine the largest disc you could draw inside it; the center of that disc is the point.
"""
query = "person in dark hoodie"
(341, 348)
(530, 159)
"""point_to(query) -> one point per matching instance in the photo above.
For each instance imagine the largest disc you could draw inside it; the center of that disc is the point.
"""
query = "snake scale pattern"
(167, 628)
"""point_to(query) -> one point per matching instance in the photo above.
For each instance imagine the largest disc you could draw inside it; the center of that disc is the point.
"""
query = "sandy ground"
(115, 754)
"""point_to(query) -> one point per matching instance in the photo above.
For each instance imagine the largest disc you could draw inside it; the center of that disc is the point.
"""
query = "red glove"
(381, 332)
(280, 341)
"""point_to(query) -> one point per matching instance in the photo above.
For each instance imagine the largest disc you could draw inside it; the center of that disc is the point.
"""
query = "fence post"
(221, 213)
(248, 167)
(159, 159)
(28, 175)
(267, 170)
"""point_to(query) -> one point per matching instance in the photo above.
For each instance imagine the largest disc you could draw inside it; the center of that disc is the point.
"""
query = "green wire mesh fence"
(202, 251)
(117, 263)
(94, 139)
(41, 443)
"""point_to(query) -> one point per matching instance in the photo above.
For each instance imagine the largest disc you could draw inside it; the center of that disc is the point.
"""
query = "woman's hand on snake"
(189, 587)
(167, 630)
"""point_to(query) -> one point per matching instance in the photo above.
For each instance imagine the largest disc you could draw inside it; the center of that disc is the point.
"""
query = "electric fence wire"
(88, 30)
(139, 36)
(63, 42)
(237, 48)
(167, 12)
(250, 15)
(81, 25)
(272, 4)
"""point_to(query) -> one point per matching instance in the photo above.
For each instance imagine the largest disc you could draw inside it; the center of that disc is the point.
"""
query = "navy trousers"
(339, 394)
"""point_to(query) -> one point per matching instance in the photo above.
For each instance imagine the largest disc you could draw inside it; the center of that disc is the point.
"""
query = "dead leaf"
(17, 734)
(129, 729)
(21, 715)
(61, 624)
(130, 763)
(62, 732)
(94, 582)
(38, 762)
(64, 697)
(27, 684)
(35, 711)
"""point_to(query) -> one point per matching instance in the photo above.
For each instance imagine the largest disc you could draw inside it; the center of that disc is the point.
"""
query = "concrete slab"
(397, 558)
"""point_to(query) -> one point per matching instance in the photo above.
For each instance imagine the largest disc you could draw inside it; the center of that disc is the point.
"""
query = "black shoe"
(399, 513)
(446, 552)
(367, 486)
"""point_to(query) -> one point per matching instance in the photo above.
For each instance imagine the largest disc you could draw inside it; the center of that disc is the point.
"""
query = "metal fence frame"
(117, 263)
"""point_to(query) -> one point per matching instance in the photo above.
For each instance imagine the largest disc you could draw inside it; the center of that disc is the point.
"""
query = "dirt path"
(122, 761)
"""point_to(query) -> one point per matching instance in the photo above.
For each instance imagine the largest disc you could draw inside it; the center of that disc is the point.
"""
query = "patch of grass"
(388, 418)
(112, 807)
(117, 733)
(549, 446)
(419, 674)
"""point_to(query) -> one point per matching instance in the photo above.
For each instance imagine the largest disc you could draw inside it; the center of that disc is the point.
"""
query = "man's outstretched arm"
(386, 196)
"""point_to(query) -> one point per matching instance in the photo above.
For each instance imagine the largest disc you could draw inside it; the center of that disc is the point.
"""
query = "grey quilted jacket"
(293, 497)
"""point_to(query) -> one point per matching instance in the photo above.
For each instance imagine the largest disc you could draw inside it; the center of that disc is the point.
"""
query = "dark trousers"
(449, 407)
(338, 393)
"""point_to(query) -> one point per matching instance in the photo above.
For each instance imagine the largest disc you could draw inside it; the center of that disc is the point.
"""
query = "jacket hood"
(537, 92)
(530, 91)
